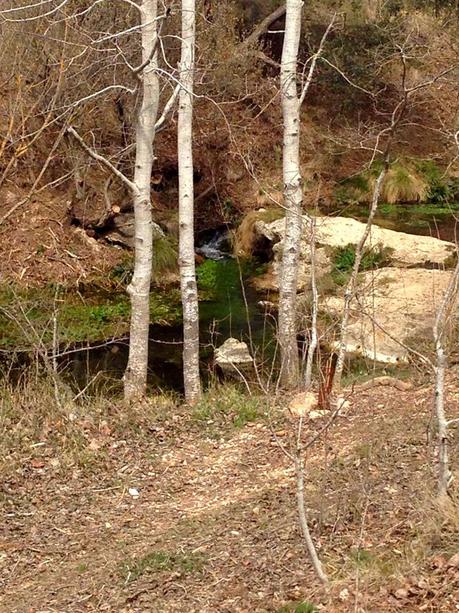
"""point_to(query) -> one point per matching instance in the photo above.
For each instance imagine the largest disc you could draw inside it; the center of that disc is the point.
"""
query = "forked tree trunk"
(186, 208)
(135, 377)
(293, 197)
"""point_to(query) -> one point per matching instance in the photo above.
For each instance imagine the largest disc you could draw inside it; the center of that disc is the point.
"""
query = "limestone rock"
(303, 404)
(392, 305)
(233, 356)
(332, 232)
(407, 249)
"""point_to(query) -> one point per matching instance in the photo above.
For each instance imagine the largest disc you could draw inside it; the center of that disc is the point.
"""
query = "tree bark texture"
(293, 197)
(186, 208)
(442, 318)
(135, 378)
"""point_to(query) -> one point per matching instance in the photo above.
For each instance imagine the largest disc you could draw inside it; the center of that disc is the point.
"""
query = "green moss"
(26, 314)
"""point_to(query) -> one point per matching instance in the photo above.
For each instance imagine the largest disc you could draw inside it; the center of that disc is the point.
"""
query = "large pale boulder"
(233, 356)
(406, 250)
(393, 306)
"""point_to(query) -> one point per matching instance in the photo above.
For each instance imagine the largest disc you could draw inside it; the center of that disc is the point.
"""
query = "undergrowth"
(162, 561)
(344, 260)
(88, 315)
(407, 181)
(228, 405)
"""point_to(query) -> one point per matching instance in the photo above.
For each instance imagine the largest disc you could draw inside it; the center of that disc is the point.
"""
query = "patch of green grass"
(228, 404)
(304, 606)
(161, 561)
(26, 314)
(344, 258)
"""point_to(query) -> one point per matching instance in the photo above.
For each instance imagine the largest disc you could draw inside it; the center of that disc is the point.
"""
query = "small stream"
(229, 307)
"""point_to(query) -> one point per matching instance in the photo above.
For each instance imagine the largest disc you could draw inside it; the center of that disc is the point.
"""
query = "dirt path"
(214, 526)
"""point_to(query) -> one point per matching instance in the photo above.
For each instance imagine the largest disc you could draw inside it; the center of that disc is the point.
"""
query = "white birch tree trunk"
(442, 318)
(293, 197)
(135, 377)
(186, 208)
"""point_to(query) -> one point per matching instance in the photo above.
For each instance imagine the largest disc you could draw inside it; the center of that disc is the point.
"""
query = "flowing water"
(229, 307)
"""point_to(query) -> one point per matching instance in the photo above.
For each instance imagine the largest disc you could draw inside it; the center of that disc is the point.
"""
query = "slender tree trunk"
(441, 321)
(135, 377)
(293, 197)
(186, 208)
(315, 307)
(352, 283)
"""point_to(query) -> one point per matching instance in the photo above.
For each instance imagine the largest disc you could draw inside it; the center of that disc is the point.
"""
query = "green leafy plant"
(442, 188)
(344, 260)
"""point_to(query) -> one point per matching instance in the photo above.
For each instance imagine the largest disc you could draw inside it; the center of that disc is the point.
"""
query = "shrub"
(403, 183)
(442, 188)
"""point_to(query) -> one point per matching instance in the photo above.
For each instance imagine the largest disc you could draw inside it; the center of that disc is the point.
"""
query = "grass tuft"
(228, 405)
(162, 561)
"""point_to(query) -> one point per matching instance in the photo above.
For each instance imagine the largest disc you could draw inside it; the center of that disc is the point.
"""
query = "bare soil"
(40, 246)
(214, 525)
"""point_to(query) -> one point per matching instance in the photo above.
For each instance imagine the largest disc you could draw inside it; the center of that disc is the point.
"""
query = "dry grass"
(214, 525)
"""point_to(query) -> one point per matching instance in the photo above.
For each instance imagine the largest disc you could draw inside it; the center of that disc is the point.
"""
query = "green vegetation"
(299, 607)
(403, 183)
(235, 407)
(26, 314)
(442, 188)
(161, 561)
(221, 279)
(421, 181)
(344, 259)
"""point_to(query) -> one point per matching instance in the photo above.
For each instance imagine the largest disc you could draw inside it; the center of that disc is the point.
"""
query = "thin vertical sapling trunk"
(186, 208)
(314, 308)
(352, 283)
(439, 329)
(299, 470)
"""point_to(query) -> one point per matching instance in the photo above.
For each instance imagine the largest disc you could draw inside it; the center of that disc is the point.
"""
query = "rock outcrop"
(233, 357)
(406, 250)
(393, 307)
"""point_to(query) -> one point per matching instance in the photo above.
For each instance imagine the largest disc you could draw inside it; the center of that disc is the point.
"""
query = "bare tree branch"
(263, 26)
(100, 158)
